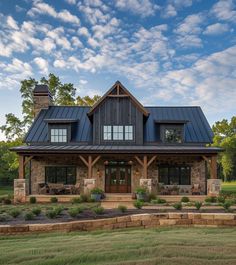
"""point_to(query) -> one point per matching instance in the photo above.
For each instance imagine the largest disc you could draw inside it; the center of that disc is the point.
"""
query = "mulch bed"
(90, 215)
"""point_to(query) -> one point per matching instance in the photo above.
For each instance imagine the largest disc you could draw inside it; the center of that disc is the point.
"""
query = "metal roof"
(197, 129)
(94, 149)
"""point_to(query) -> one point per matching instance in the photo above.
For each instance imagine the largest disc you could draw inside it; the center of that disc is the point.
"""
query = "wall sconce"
(106, 162)
(130, 162)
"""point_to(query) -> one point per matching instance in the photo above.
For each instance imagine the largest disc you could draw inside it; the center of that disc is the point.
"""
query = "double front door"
(118, 179)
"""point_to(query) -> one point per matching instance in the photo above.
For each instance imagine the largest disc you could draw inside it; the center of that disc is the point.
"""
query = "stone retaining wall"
(138, 220)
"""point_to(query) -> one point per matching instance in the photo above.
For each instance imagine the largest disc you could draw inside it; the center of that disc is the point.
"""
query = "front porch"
(170, 176)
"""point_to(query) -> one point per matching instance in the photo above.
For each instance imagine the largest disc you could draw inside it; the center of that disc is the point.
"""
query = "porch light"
(106, 162)
(130, 162)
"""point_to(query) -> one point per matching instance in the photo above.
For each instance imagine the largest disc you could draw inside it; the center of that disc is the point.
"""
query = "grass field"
(165, 246)
(6, 190)
(229, 187)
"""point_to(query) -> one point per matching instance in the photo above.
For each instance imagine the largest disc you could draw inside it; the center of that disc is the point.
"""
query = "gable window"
(172, 134)
(118, 133)
(107, 132)
(58, 135)
(61, 174)
(129, 132)
(175, 175)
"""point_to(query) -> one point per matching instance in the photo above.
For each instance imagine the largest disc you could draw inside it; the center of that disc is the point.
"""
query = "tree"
(225, 137)
(87, 101)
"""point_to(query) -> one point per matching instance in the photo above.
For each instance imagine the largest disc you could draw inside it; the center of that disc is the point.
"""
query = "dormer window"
(118, 133)
(172, 134)
(58, 135)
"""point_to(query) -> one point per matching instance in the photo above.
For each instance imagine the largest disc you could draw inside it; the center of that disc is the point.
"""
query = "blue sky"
(173, 52)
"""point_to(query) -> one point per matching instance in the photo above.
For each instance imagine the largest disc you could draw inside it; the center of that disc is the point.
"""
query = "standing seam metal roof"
(197, 130)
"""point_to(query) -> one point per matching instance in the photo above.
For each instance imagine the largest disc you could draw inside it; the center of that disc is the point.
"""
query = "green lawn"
(195, 246)
(229, 187)
(6, 190)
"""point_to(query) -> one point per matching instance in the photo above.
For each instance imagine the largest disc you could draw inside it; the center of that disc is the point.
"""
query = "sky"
(167, 53)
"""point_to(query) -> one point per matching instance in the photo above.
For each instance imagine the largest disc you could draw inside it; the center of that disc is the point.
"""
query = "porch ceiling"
(115, 149)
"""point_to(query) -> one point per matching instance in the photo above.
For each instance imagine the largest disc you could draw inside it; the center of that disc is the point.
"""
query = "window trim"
(179, 174)
(61, 166)
(59, 126)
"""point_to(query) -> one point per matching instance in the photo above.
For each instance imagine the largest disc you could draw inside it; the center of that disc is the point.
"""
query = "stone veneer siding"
(38, 170)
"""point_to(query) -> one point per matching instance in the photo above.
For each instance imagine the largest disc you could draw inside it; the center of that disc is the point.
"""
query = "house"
(116, 145)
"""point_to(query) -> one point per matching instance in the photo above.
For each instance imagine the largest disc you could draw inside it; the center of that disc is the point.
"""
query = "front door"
(118, 179)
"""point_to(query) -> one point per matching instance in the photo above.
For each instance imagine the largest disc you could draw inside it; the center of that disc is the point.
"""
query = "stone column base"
(213, 187)
(89, 184)
(148, 184)
(21, 190)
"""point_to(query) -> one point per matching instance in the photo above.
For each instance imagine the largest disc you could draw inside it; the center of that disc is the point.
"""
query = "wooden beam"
(21, 167)
(118, 89)
(214, 167)
(206, 159)
(139, 160)
(95, 160)
(145, 167)
(84, 160)
(90, 167)
(27, 160)
(151, 160)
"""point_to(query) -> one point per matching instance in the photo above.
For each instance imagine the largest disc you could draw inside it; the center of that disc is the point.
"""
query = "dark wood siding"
(117, 111)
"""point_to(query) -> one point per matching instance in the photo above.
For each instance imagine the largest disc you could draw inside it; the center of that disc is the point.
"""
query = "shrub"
(221, 199)
(138, 204)
(36, 211)
(76, 200)
(141, 190)
(227, 204)
(99, 210)
(73, 212)
(210, 199)
(122, 208)
(198, 205)
(84, 198)
(29, 216)
(178, 206)
(4, 217)
(158, 201)
(7, 201)
(185, 199)
(54, 200)
(96, 191)
(51, 214)
(58, 209)
(33, 200)
(15, 212)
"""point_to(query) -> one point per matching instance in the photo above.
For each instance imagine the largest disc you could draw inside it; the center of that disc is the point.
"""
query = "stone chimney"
(42, 98)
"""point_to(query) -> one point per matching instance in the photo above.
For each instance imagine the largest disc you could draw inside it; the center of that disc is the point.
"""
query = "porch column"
(213, 167)
(89, 164)
(145, 164)
(21, 166)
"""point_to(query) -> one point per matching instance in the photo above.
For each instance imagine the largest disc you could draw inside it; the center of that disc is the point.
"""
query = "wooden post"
(90, 167)
(145, 164)
(21, 167)
(145, 167)
(214, 167)
(89, 164)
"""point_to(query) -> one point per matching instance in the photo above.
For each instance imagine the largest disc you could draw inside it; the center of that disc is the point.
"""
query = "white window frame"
(58, 135)
(118, 132)
(129, 132)
(107, 132)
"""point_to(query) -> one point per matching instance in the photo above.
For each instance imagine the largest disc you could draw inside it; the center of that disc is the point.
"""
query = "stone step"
(118, 198)
(115, 204)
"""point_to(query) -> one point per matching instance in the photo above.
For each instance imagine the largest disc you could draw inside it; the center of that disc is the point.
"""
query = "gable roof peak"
(120, 91)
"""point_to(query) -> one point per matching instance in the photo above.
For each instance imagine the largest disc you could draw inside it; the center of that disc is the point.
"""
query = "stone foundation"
(21, 190)
(138, 220)
(213, 187)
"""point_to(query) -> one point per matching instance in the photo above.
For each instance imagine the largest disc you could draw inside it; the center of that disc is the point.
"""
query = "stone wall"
(138, 220)
(38, 170)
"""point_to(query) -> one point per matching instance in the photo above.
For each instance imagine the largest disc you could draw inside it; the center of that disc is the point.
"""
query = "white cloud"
(225, 10)
(12, 23)
(76, 42)
(144, 8)
(169, 11)
(42, 64)
(83, 82)
(216, 29)
(59, 63)
(43, 8)
(71, 2)
(83, 32)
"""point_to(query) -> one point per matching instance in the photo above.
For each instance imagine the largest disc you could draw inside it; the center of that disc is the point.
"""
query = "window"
(172, 134)
(118, 133)
(129, 132)
(65, 175)
(170, 175)
(107, 132)
(58, 135)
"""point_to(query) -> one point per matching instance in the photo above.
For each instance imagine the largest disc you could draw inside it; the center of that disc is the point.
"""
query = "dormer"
(118, 118)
